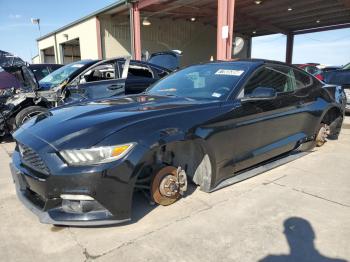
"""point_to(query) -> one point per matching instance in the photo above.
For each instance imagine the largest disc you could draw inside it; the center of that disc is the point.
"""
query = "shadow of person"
(300, 237)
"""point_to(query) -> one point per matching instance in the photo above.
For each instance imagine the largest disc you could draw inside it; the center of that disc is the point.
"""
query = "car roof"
(252, 61)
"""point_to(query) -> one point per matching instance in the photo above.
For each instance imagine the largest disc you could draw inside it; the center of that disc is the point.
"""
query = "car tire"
(27, 113)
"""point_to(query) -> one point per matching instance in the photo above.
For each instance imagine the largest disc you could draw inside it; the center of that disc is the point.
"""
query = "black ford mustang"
(206, 123)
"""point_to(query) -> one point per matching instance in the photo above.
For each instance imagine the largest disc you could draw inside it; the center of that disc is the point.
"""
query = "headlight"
(96, 155)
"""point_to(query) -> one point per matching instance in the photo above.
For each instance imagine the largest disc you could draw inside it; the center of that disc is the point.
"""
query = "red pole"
(230, 20)
(136, 27)
(222, 19)
(225, 23)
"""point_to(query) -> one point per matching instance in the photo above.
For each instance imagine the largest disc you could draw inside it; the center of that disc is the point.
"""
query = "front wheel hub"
(168, 185)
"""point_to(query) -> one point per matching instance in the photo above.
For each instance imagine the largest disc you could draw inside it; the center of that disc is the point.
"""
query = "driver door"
(101, 81)
(260, 129)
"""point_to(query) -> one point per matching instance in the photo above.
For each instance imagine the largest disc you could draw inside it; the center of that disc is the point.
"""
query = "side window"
(279, 78)
(311, 69)
(138, 70)
(99, 73)
(302, 80)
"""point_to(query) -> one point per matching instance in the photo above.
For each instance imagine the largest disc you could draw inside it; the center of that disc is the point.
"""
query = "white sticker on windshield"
(215, 94)
(77, 65)
(228, 72)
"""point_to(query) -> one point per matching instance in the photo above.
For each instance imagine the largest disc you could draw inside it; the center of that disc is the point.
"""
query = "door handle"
(114, 87)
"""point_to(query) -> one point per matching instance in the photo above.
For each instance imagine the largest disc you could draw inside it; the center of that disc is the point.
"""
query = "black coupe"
(208, 123)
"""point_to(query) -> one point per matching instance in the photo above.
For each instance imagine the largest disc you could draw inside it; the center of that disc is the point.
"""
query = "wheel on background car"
(323, 133)
(28, 113)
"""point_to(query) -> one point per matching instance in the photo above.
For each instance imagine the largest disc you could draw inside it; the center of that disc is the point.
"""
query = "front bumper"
(42, 196)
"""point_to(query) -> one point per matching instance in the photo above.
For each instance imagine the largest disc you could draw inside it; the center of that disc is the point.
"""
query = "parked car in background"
(76, 82)
(10, 72)
(42, 70)
(310, 68)
(213, 124)
(340, 77)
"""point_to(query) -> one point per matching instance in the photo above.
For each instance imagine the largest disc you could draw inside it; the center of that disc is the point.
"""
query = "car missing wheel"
(206, 124)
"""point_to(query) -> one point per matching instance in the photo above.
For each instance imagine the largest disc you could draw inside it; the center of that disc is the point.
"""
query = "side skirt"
(260, 169)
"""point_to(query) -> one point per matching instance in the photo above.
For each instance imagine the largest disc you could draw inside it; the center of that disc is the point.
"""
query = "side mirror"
(261, 93)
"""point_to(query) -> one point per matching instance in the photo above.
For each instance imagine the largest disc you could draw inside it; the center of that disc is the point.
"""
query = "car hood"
(86, 124)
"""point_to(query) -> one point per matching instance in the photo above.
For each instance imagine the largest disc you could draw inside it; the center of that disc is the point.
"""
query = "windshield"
(60, 75)
(210, 81)
(347, 66)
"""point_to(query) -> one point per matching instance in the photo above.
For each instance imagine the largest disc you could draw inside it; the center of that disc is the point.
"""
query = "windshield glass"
(60, 75)
(210, 81)
(347, 66)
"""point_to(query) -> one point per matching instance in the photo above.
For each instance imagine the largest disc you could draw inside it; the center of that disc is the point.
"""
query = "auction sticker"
(228, 72)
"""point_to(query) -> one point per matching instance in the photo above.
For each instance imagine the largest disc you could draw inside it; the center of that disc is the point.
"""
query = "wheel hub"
(322, 135)
(168, 185)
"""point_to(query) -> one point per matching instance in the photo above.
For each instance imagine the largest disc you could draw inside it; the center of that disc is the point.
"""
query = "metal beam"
(346, 3)
(289, 49)
(264, 24)
(145, 3)
(321, 29)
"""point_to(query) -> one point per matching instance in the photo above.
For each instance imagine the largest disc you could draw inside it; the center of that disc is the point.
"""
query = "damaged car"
(76, 82)
(211, 124)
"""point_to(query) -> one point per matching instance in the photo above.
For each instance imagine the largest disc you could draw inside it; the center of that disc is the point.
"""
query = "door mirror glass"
(261, 93)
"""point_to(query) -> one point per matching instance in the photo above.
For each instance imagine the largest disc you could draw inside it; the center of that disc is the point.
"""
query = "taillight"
(319, 77)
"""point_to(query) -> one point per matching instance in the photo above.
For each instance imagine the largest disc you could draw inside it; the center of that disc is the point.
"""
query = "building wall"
(196, 40)
(86, 33)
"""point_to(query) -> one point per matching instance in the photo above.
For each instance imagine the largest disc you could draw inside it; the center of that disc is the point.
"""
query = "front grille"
(32, 160)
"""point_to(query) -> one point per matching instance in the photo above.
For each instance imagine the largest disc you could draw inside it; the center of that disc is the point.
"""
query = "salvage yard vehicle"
(32, 97)
(78, 81)
(213, 124)
(340, 77)
(42, 70)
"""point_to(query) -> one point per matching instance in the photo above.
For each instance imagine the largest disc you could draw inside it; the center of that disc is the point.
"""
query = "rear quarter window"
(302, 79)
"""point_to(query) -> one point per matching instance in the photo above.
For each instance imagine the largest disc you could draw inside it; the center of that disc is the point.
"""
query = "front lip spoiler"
(44, 216)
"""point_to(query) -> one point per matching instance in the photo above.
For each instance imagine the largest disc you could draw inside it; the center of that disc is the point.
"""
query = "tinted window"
(279, 78)
(139, 70)
(302, 80)
(211, 81)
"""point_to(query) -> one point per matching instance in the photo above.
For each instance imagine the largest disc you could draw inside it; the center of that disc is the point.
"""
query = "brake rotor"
(322, 135)
(168, 185)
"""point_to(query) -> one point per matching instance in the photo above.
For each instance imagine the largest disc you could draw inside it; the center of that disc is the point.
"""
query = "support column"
(135, 28)
(225, 24)
(289, 49)
(99, 38)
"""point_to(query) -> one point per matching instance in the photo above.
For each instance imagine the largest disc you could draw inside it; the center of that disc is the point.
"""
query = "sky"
(18, 34)
(328, 47)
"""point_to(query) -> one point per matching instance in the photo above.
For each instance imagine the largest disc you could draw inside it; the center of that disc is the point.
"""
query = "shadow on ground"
(300, 237)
